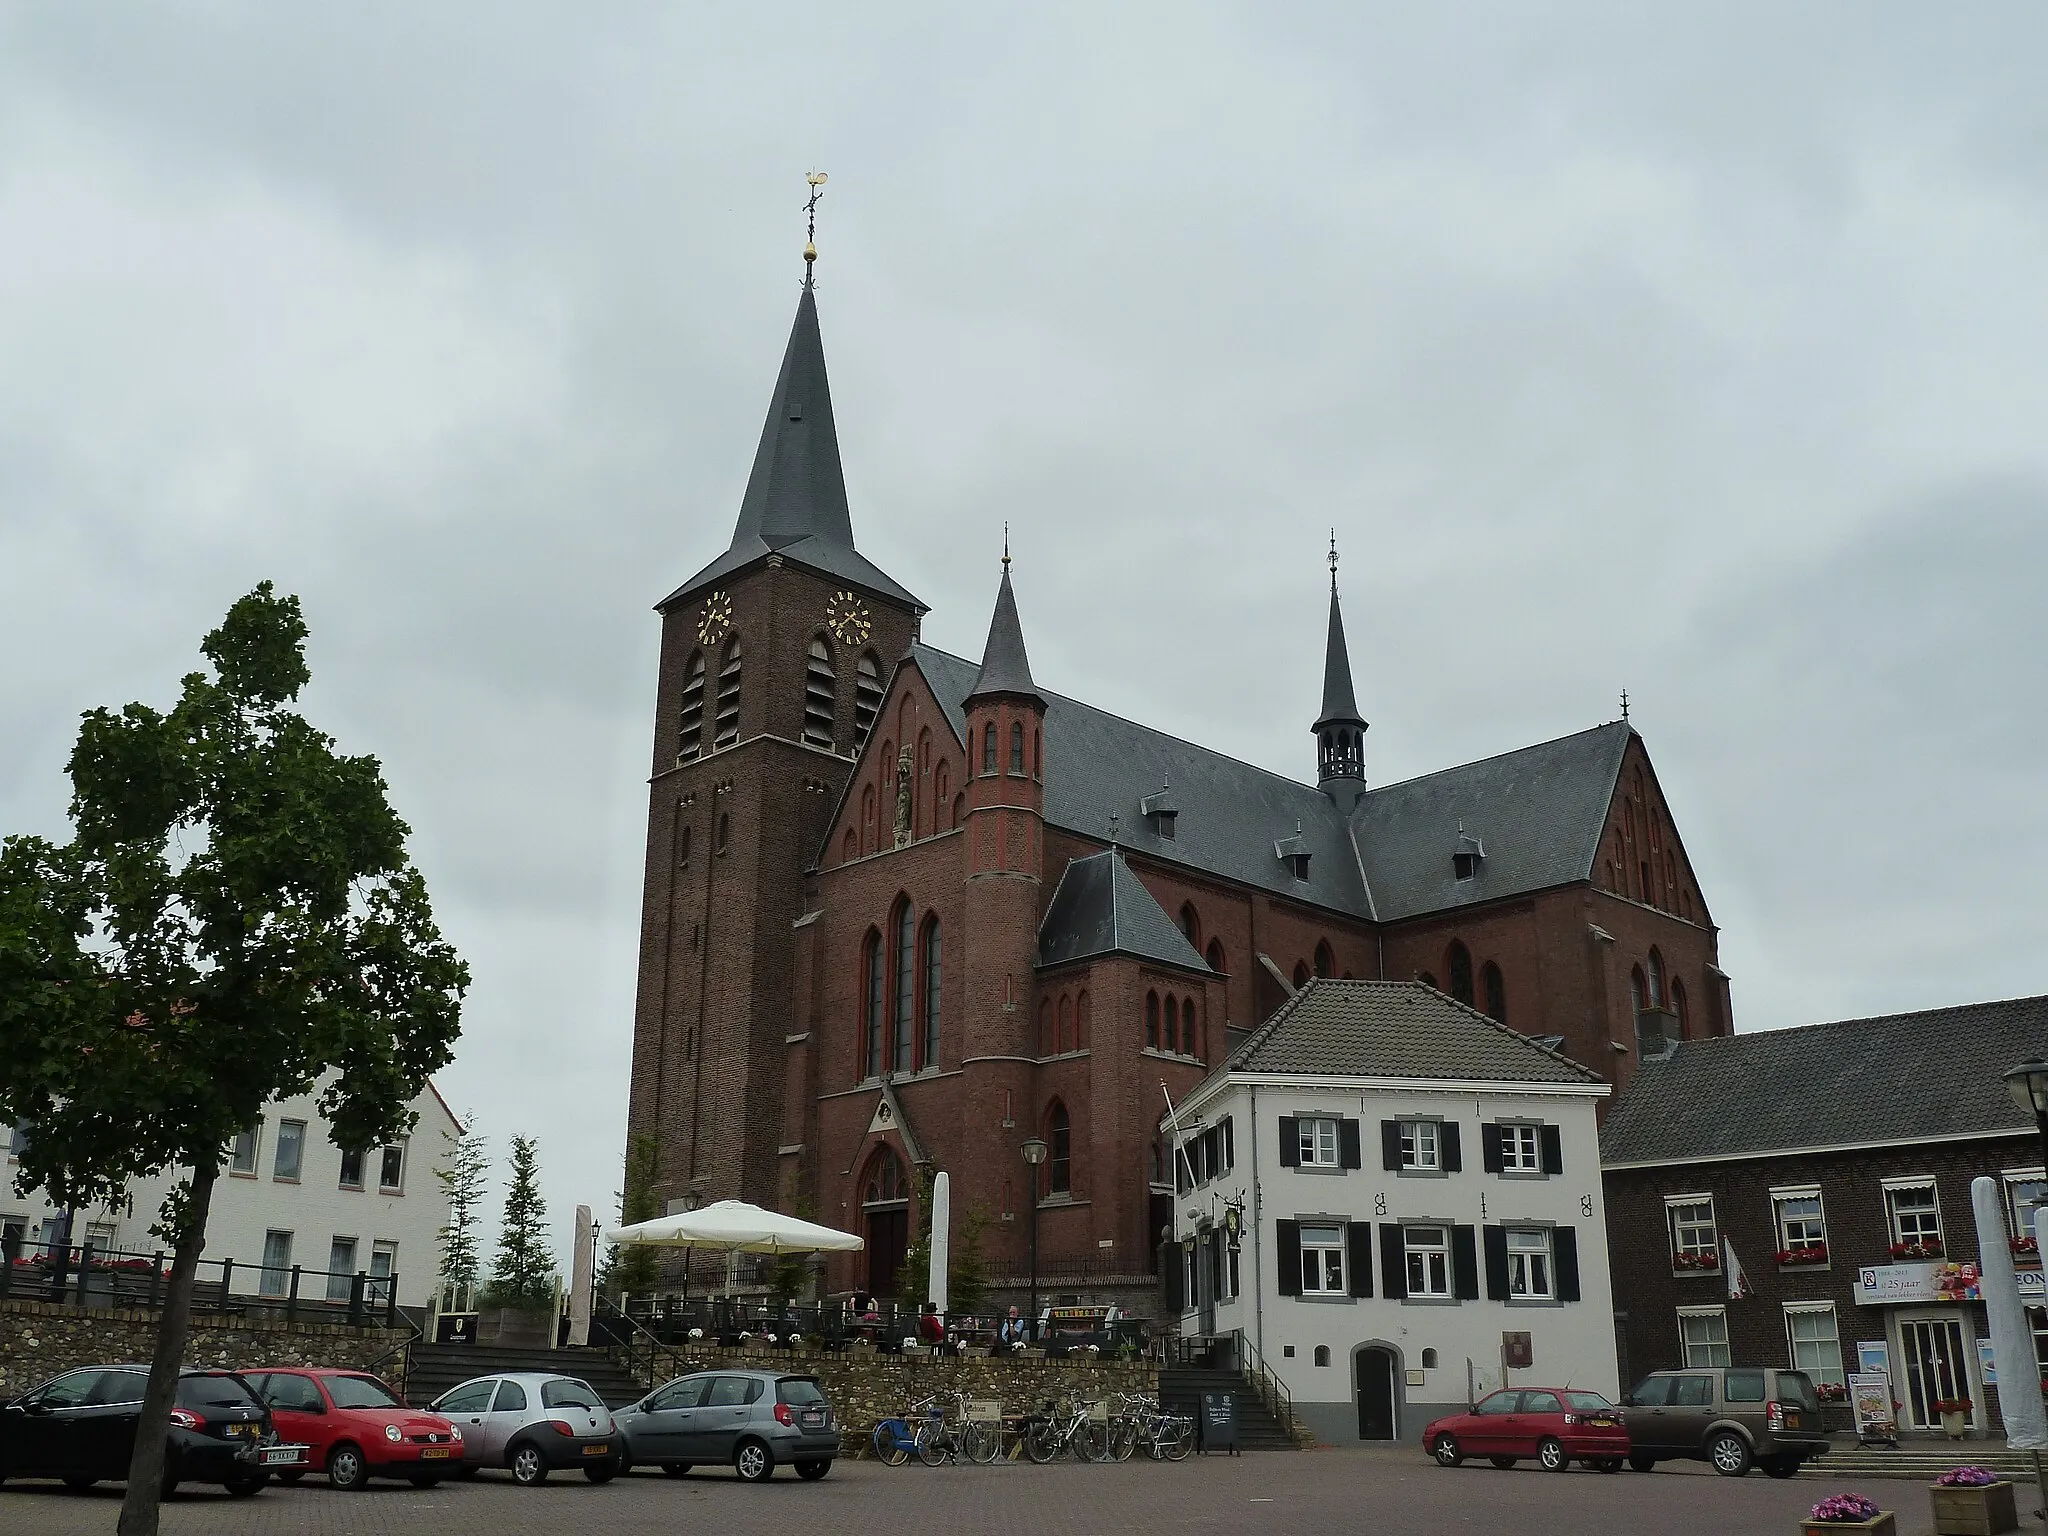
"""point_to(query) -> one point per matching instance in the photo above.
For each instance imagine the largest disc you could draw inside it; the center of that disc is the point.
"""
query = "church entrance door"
(888, 1237)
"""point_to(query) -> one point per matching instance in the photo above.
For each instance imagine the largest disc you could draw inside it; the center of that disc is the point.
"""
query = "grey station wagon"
(753, 1421)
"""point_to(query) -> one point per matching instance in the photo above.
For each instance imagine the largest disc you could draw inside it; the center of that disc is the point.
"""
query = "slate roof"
(1900, 1077)
(1396, 1029)
(1340, 705)
(795, 503)
(1101, 908)
(1540, 811)
(1005, 668)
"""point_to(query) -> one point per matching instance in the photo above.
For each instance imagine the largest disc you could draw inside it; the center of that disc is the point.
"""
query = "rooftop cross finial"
(1333, 559)
(1624, 703)
(1006, 549)
(817, 179)
(1113, 820)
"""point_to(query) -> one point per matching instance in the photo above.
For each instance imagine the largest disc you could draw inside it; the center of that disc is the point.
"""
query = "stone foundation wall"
(38, 1339)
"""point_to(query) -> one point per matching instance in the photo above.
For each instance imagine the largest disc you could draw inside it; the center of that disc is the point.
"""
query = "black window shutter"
(1496, 1263)
(1176, 1275)
(1564, 1247)
(1393, 1262)
(1289, 1243)
(1453, 1149)
(1464, 1264)
(1358, 1242)
(1553, 1148)
(1489, 1146)
(1390, 1144)
(1229, 1145)
(1348, 1154)
(1290, 1143)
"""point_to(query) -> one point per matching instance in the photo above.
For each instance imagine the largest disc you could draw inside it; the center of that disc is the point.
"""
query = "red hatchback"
(1555, 1425)
(357, 1427)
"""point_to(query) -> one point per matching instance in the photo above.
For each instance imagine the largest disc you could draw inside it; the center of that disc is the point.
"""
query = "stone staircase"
(1920, 1463)
(1182, 1388)
(432, 1369)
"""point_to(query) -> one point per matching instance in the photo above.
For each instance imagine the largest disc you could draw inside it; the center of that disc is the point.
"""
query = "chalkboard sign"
(1219, 1423)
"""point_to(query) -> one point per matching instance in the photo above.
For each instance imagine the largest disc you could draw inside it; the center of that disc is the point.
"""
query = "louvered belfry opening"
(692, 740)
(726, 727)
(821, 696)
(867, 696)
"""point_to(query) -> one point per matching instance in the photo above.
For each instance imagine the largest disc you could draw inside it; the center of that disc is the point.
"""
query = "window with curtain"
(1815, 1345)
(906, 984)
(932, 967)
(1703, 1335)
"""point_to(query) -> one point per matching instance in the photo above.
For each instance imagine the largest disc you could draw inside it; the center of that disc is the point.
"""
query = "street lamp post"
(1034, 1154)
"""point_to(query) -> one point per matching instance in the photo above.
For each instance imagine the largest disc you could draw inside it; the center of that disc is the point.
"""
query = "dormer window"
(1466, 859)
(1160, 812)
(1294, 851)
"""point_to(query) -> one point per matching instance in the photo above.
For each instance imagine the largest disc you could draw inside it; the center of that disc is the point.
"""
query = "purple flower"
(1843, 1509)
(1966, 1477)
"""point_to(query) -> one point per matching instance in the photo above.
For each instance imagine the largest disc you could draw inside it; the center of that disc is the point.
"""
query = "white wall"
(1572, 1341)
(315, 1209)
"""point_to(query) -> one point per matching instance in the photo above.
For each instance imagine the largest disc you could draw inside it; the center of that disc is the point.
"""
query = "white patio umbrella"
(736, 1227)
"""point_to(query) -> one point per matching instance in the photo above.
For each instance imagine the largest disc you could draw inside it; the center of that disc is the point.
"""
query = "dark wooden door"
(888, 1237)
(1375, 1368)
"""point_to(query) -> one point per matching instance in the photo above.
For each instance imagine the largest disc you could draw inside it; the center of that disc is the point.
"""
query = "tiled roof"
(1101, 908)
(1005, 668)
(1396, 1029)
(1901, 1077)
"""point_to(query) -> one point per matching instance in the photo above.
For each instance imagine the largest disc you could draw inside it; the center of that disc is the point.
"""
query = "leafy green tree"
(462, 1176)
(967, 1264)
(234, 920)
(524, 1275)
(634, 1270)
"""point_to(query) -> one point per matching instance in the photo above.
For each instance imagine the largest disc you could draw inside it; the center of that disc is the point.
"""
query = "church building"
(907, 911)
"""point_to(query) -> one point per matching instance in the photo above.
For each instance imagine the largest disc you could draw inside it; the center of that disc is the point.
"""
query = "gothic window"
(1152, 1020)
(1059, 1140)
(922, 801)
(1046, 1042)
(1459, 963)
(906, 986)
(1638, 991)
(683, 849)
(1190, 1026)
(725, 728)
(886, 1183)
(1037, 753)
(1301, 974)
(959, 808)
(988, 748)
(867, 697)
(1169, 1035)
(1678, 1007)
(1016, 748)
(871, 1026)
(1081, 1022)
(693, 707)
(1214, 956)
(1326, 961)
(867, 819)
(850, 850)
(1496, 993)
(931, 991)
(1190, 924)
(1065, 1038)
(724, 838)
(1656, 979)
(942, 789)
(821, 697)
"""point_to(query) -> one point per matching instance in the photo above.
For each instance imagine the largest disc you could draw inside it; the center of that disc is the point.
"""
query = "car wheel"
(1781, 1466)
(1445, 1450)
(79, 1484)
(529, 1467)
(1642, 1463)
(1729, 1453)
(347, 1470)
(1503, 1462)
(675, 1469)
(1551, 1457)
(811, 1471)
(247, 1487)
(754, 1462)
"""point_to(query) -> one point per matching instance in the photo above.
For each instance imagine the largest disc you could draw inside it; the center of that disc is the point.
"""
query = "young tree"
(634, 1270)
(524, 1275)
(462, 1176)
(234, 920)
(967, 1267)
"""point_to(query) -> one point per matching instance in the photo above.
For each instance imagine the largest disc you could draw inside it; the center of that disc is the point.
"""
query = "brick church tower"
(773, 661)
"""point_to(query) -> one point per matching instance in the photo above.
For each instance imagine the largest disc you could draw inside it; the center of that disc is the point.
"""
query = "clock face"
(847, 617)
(717, 618)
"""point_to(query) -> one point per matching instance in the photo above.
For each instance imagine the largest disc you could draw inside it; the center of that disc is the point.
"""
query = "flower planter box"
(1981, 1511)
(1884, 1524)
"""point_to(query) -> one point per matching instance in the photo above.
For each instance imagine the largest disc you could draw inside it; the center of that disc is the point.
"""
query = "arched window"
(1017, 748)
(988, 748)
(871, 1026)
(1169, 1034)
(725, 726)
(821, 694)
(1656, 979)
(1190, 1039)
(1059, 1141)
(1322, 1356)
(906, 984)
(1429, 1359)
(1428, 979)
(1046, 1042)
(1215, 956)
(1496, 989)
(1639, 990)
(933, 973)
(1679, 1007)
(1190, 924)
(885, 1184)
(1081, 1022)
(1065, 1037)
(1326, 960)
(867, 819)
(867, 697)
(942, 795)
(1458, 961)
(1037, 753)
(683, 849)
(959, 808)
(1152, 1035)
(692, 741)
(724, 831)
(850, 849)
(1301, 974)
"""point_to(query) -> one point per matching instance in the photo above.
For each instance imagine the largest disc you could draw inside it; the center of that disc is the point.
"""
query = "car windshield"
(1797, 1387)
(800, 1391)
(563, 1393)
(1586, 1402)
(214, 1392)
(361, 1392)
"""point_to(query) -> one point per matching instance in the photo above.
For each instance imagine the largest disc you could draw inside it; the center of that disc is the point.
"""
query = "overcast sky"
(1700, 352)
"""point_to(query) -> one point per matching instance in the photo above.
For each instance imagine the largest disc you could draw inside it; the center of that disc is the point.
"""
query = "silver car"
(532, 1423)
(753, 1421)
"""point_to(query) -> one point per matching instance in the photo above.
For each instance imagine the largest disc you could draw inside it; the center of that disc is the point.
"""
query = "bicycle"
(947, 1436)
(1072, 1426)
(896, 1440)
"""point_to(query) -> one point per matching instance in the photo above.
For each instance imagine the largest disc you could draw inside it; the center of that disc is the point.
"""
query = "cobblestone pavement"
(1386, 1492)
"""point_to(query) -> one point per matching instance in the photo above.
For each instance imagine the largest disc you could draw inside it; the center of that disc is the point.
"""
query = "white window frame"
(402, 1148)
(340, 1281)
(1517, 1138)
(298, 1173)
(379, 1285)
(275, 1279)
(1893, 1188)
(104, 1236)
(1316, 1141)
(2009, 1182)
(1689, 1349)
(1780, 1198)
(236, 1167)
(1427, 1265)
(1672, 1205)
(1324, 1276)
(342, 1180)
(1422, 1146)
(1835, 1375)
(1532, 1265)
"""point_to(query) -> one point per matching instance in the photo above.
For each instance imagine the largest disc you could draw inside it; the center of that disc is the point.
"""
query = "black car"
(80, 1427)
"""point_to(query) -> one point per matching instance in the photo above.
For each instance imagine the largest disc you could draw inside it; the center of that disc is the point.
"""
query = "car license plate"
(813, 1420)
(251, 1430)
(435, 1453)
(282, 1455)
(1791, 1421)
(597, 1450)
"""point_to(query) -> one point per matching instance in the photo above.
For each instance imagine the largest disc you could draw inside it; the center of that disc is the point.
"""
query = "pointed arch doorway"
(885, 1219)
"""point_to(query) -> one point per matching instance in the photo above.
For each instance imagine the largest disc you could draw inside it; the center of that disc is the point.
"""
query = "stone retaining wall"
(38, 1339)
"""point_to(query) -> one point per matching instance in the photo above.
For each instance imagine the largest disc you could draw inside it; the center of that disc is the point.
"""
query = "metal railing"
(1271, 1390)
(728, 1322)
(84, 1276)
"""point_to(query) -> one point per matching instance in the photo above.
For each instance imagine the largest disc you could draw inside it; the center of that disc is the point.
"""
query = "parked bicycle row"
(952, 1427)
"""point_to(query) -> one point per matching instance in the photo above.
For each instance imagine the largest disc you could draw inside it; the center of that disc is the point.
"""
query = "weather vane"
(1333, 557)
(1006, 549)
(817, 179)
(1624, 703)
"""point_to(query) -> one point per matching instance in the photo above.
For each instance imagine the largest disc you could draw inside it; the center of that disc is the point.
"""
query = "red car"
(1556, 1425)
(357, 1427)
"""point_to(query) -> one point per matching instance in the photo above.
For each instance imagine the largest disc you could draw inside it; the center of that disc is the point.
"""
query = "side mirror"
(36, 1405)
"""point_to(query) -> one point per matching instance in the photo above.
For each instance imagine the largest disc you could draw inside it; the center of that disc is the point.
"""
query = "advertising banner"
(1891, 1284)
(1870, 1394)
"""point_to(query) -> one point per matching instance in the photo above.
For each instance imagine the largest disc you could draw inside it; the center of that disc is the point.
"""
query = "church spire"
(797, 490)
(1004, 666)
(1340, 729)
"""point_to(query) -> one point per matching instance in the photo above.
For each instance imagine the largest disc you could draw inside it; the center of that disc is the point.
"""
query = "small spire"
(1006, 548)
(817, 179)
(1004, 666)
(1624, 704)
(1333, 560)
